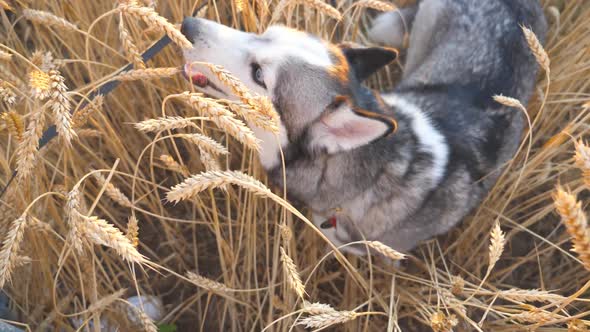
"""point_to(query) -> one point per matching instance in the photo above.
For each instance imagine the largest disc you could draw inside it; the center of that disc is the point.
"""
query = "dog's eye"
(257, 75)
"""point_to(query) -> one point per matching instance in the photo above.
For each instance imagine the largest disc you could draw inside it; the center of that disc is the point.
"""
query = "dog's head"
(314, 85)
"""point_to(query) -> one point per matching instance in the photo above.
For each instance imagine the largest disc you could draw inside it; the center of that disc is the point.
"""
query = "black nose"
(190, 28)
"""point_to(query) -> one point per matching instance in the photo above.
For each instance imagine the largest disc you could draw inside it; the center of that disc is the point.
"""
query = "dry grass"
(216, 257)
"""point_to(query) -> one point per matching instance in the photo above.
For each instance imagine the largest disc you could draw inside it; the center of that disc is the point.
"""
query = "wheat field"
(155, 190)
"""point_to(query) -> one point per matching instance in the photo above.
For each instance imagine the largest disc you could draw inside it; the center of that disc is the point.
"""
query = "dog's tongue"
(194, 76)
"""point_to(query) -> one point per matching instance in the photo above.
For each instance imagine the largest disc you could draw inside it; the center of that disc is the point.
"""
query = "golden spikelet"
(322, 7)
(60, 104)
(147, 324)
(442, 323)
(457, 285)
(537, 49)
(206, 143)
(223, 119)
(161, 124)
(40, 83)
(48, 19)
(14, 123)
(74, 220)
(286, 233)
(530, 295)
(574, 219)
(208, 284)
(10, 247)
(129, 47)
(255, 117)
(317, 308)
(497, 242)
(113, 192)
(81, 116)
(28, 147)
(386, 250)
(133, 231)
(328, 319)
(173, 165)
(582, 159)
(151, 18)
(147, 74)
(534, 316)
(99, 231)
(377, 5)
(293, 278)
(510, 102)
(7, 95)
(106, 301)
(197, 183)
(44, 60)
(211, 164)
(238, 88)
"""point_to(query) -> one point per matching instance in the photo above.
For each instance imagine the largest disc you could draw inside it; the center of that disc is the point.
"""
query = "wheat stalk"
(322, 7)
(441, 323)
(101, 232)
(197, 183)
(88, 133)
(317, 308)
(377, 5)
(60, 103)
(223, 119)
(497, 242)
(48, 19)
(10, 247)
(328, 319)
(106, 301)
(386, 250)
(6, 94)
(206, 143)
(28, 147)
(113, 192)
(81, 116)
(293, 278)
(151, 18)
(574, 219)
(147, 74)
(582, 159)
(133, 230)
(537, 49)
(14, 123)
(208, 284)
(161, 124)
(173, 165)
(129, 47)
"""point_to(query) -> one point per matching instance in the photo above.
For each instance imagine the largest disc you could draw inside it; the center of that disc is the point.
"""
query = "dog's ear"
(342, 127)
(365, 61)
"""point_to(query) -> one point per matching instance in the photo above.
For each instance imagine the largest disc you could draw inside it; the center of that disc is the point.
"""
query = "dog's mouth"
(197, 78)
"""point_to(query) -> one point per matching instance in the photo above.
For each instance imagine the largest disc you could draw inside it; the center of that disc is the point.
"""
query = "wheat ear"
(133, 230)
(206, 143)
(328, 319)
(510, 102)
(147, 74)
(197, 183)
(15, 124)
(48, 19)
(442, 323)
(61, 106)
(145, 321)
(386, 250)
(81, 116)
(322, 7)
(28, 147)
(497, 242)
(173, 165)
(130, 48)
(101, 232)
(574, 219)
(161, 124)
(317, 308)
(113, 192)
(208, 284)
(10, 247)
(293, 278)
(377, 5)
(582, 159)
(106, 301)
(72, 208)
(6, 94)
(40, 83)
(150, 17)
(537, 49)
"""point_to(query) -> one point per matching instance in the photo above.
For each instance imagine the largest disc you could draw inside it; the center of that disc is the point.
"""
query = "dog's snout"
(190, 28)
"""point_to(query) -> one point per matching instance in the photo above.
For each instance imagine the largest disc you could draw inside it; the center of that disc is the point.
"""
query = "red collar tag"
(329, 223)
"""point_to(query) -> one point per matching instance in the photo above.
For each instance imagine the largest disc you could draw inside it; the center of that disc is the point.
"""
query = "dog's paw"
(389, 29)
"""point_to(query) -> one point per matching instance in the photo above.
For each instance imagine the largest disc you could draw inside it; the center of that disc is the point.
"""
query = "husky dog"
(399, 167)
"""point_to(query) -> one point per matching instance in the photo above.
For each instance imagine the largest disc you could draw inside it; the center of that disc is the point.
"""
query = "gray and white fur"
(343, 157)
